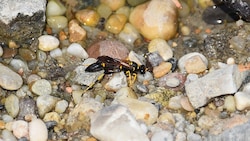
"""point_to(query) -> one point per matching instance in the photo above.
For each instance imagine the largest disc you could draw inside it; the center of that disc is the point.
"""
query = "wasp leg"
(134, 76)
(92, 84)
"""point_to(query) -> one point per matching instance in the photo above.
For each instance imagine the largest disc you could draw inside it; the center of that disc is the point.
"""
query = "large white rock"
(226, 80)
(116, 123)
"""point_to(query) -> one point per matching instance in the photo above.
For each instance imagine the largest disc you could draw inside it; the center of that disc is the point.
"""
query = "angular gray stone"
(116, 123)
(238, 133)
(226, 80)
(21, 21)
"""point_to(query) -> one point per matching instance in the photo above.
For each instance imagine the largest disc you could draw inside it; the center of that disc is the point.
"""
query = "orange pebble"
(244, 67)
(49, 30)
(68, 89)
(62, 35)
(208, 30)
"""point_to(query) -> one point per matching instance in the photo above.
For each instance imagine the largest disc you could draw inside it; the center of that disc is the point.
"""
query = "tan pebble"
(195, 65)
(62, 36)
(155, 19)
(48, 42)
(13, 44)
(230, 61)
(87, 17)
(52, 116)
(125, 10)
(104, 11)
(76, 32)
(185, 103)
(27, 54)
(9, 52)
(229, 104)
(115, 23)
(2, 124)
(162, 69)
(113, 4)
(91, 139)
(162, 47)
(185, 30)
(166, 118)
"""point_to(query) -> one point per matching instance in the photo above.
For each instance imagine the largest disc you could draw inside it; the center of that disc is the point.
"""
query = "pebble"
(57, 23)
(76, 32)
(9, 79)
(79, 116)
(114, 4)
(135, 2)
(7, 118)
(118, 81)
(206, 122)
(115, 23)
(88, 17)
(9, 52)
(55, 53)
(242, 100)
(193, 137)
(8, 136)
(181, 136)
(175, 102)
(45, 103)
(1, 51)
(27, 107)
(193, 63)
(125, 10)
(185, 30)
(162, 136)
(77, 50)
(104, 125)
(27, 54)
(19, 65)
(104, 11)
(12, 105)
(41, 87)
(38, 130)
(162, 69)
(129, 34)
(61, 106)
(125, 92)
(173, 82)
(167, 118)
(111, 48)
(52, 116)
(20, 129)
(48, 42)
(161, 46)
(32, 78)
(155, 19)
(185, 103)
(247, 88)
(229, 104)
(219, 82)
(55, 8)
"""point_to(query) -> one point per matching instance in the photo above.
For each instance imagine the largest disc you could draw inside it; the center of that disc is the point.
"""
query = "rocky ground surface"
(197, 86)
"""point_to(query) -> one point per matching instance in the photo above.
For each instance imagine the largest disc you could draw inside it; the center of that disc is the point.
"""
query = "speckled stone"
(41, 87)
(45, 103)
(76, 32)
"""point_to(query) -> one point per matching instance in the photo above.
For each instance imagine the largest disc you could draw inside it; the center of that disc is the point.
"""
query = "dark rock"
(27, 106)
(25, 23)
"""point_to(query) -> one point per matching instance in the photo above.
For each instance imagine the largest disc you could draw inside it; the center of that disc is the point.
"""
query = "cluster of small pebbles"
(46, 94)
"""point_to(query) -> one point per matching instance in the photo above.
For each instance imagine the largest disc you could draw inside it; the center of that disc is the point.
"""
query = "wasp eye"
(142, 69)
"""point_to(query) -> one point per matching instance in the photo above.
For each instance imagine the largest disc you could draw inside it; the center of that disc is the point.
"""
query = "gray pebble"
(45, 103)
(27, 106)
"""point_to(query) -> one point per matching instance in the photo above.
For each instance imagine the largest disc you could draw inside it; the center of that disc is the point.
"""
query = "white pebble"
(173, 82)
(1, 51)
(77, 50)
(129, 34)
(230, 61)
(61, 106)
(48, 42)
(55, 53)
(242, 100)
(41, 87)
(162, 136)
(118, 81)
(38, 130)
(8, 136)
(229, 104)
(55, 8)
(20, 129)
(162, 47)
(175, 102)
(45, 103)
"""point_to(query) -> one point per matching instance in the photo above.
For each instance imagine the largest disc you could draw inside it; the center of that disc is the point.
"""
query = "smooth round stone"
(155, 19)
(76, 32)
(173, 82)
(55, 53)
(118, 81)
(41, 87)
(185, 10)
(185, 30)
(87, 17)
(48, 42)
(20, 129)
(111, 48)
(32, 78)
(229, 104)
(162, 135)
(55, 8)
(175, 102)
(1, 51)
(113, 4)
(129, 34)
(77, 50)
(8, 136)
(45, 103)
(27, 54)
(61, 106)
(104, 11)
(161, 46)
(19, 65)
(193, 63)
(242, 100)
(167, 118)
(57, 23)
(9, 52)
(115, 23)
(12, 105)
(125, 92)
(38, 130)
(9, 79)
(7, 118)
(125, 10)
(185, 103)
(162, 69)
